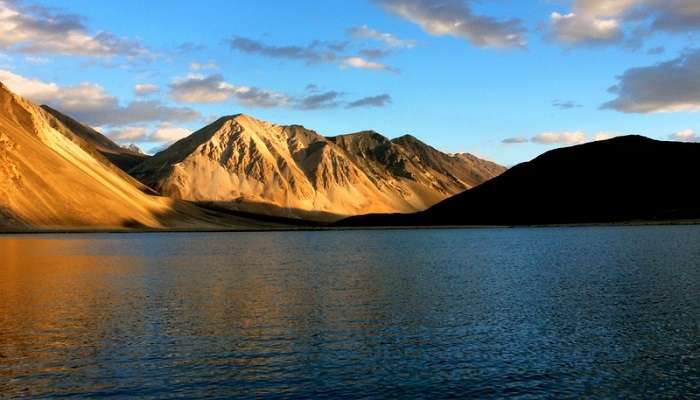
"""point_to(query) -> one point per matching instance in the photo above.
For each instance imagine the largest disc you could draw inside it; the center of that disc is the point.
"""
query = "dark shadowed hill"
(622, 179)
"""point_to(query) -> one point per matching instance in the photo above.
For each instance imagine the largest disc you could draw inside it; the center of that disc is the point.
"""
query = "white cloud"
(565, 138)
(560, 137)
(143, 89)
(254, 97)
(201, 89)
(361, 63)
(456, 18)
(603, 136)
(575, 29)
(31, 88)
(91, 104)
(214, 89)
(687, 135)
(37, 30)
(168, 133)
(128, 134)
(623, 21)
(162, 133)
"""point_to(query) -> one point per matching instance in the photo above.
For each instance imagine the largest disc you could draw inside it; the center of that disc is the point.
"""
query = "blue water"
(601, 312)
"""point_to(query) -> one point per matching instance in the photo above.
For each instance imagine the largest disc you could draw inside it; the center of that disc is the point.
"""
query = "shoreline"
(341, 228)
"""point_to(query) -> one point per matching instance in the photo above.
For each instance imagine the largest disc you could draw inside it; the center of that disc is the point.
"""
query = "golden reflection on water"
(55, 299)
(73, 305)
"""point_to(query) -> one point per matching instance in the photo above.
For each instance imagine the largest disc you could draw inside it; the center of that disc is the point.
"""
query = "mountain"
(415, 166)
(629, 178)
(54, 177)
(243, 163)
(123, 157)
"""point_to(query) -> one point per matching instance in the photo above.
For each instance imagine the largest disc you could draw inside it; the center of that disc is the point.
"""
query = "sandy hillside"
(257, 166)
(123, 157)
(50, 178)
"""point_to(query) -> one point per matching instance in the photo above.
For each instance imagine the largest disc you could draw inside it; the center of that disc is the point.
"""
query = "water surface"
(487, 313)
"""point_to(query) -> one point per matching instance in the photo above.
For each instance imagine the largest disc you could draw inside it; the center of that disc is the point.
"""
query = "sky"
(503, 79)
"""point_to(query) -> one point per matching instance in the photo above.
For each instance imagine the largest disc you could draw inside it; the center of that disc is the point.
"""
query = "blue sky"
(504, 79)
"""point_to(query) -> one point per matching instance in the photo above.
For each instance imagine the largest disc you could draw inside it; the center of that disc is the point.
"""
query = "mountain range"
(57, 173)
(247, 164)
(240, 172)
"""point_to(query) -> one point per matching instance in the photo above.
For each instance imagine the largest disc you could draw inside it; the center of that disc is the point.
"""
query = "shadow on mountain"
(202, 216)
(630, 178)
(10, 222)
(266, 212)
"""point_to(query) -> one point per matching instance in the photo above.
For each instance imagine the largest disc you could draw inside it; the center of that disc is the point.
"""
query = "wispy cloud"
(515, 140)
(314, 53)
(329, 99)
(200, 89)
(374, 54)
(189, 47)
(565, 138)
(565, 104)
(389, 39)
(195, 66)
(371, 101)
(456, 18)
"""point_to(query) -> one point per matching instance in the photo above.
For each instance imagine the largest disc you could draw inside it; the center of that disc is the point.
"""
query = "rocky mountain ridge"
(252, 165)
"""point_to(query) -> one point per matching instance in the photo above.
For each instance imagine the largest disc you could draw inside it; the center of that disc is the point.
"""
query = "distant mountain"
(132, 148)
(628, 178)
(246, 164)
(413, 166)
(53, 176)
(123, 157)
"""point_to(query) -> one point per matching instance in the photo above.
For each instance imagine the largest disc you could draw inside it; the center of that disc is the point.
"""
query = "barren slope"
(124, 158)
(52, 178)
(256, 166)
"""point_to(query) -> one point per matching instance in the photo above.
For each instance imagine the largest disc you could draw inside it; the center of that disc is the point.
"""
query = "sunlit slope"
(122, 157)
(52, 178)
(257, 166)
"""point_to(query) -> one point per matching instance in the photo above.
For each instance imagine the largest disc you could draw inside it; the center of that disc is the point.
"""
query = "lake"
(483, 313)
